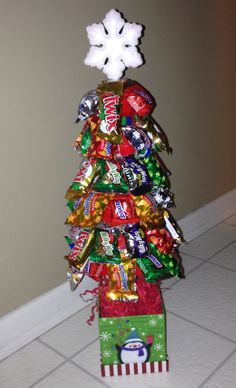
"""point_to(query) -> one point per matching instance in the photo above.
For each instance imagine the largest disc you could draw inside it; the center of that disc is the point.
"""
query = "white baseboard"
(209, 215)
(34, 318)
(28, 322)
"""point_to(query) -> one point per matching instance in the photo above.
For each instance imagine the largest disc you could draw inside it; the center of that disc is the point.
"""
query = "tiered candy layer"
(120, 195)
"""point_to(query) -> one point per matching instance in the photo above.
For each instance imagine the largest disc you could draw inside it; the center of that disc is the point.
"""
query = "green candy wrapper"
(156, 265)
(86, 141)
(155, 171)
(111, 178)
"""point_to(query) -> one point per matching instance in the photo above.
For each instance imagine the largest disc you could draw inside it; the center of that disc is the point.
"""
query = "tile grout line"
(18, 350)
(222, 266)
(180, 280)
(61, 354)
(69, 359)
(227, 223)
(208, 230)
(83, 308)
(214, 254)
(202, 261)
(90, 374)
(200, 235)
(66, 359)
(47, 374)
(216, 369)
(52, 348)
(221, 250)
(84, 347)
(202, 327)
(190, 255)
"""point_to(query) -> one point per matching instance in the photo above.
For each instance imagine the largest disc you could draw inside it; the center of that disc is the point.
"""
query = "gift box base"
(134, 369)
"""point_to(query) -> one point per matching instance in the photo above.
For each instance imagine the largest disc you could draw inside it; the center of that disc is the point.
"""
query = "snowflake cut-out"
(153, 322)
(106, 353)
(158, 347)
(113, 45)
(105, 336)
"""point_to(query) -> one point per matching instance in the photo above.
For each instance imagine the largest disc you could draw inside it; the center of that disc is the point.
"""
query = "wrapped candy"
(83, 179)
(110, 94)
(136, 100)
(173, 227)
(74, 276)
(90, 210)
(96, 271)
(139, 140)
(161, 238)
(122, 284)
(163, 197)
(88, 106)
(149, 300)
(111, 178)
(125, 148)
(157, 265)
(149, 214)
(135, 240)
(84, 140)
(155, 171)
(120, 210)
(96, 257)
(120, 194)
(155, 134)
(82, 246)
(137, 176)
(106, 248)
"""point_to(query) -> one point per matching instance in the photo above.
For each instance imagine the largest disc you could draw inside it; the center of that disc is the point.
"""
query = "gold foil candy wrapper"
(110, 95)
(113, 137)
(157, 135)
(149, 213)
(89, 212)
(155, 220)
(79, 253)
(83, 179)
(122, 285)
(109, 88)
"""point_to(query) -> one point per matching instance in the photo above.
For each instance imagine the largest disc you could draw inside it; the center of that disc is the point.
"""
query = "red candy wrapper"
(161, 238)
(120, 210)
(136, 100)
(125, 148)
(96, 271)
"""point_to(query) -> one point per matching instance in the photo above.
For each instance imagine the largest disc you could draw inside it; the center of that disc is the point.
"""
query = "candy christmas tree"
(122, 233)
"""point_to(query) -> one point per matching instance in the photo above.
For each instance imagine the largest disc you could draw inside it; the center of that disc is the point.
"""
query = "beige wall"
(189, 48)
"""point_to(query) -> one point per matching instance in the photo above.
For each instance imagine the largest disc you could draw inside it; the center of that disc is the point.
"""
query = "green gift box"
(133, 344)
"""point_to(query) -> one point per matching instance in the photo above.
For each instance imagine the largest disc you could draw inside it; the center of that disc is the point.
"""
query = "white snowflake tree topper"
(114, 44)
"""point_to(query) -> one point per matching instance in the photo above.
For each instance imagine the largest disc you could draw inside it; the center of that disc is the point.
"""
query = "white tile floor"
(201, 331)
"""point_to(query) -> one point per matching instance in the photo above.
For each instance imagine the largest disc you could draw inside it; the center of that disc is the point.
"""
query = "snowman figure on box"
(134, 349)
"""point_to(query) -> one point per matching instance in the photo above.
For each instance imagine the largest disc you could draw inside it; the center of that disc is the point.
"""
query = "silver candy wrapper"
(74, 233)
(156, 130)
(88, 106)
(137, 137)
(173, 228)
(163, 197)
(74, 277)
